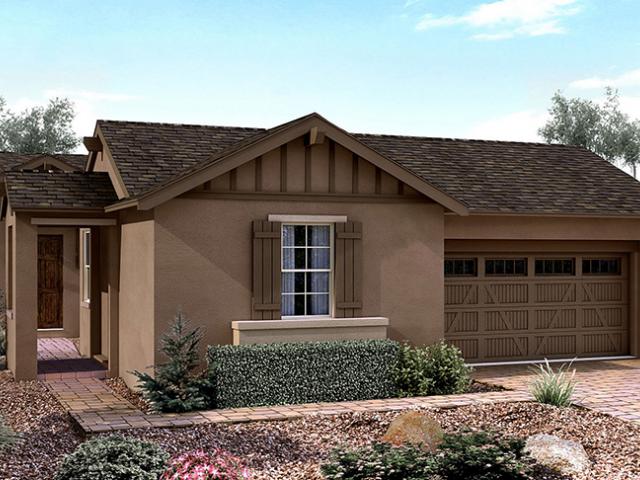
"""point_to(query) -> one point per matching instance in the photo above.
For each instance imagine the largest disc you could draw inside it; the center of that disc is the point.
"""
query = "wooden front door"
(50, 281)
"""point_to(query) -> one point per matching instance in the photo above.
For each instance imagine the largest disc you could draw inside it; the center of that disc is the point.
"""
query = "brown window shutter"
(266, 270)
(348, 269)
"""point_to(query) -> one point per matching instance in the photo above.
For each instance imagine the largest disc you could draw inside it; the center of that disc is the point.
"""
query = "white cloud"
(627, 79)
(504, 19)
(517, 126)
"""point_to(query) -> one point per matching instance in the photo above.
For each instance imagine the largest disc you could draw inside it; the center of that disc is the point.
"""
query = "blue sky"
(422, 67)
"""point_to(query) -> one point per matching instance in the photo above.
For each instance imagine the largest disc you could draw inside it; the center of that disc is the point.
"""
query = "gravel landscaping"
(294, 449)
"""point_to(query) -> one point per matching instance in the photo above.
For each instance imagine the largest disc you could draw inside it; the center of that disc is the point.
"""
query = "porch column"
(22, 308)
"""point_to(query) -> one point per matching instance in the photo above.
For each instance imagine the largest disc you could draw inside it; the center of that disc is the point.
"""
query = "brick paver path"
(611, 387)
(95, 408)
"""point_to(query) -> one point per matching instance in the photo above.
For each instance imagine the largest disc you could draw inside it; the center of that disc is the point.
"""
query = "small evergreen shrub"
(290, 373)
(483, 456)
(437, 369)
(381, 461)
(553, 388)
(3, 335)
(7, 436)
(463, 456)
(200, 465)
(114, 458)
(176, 386)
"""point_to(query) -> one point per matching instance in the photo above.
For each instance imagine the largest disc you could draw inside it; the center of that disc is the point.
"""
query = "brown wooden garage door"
(505, 308)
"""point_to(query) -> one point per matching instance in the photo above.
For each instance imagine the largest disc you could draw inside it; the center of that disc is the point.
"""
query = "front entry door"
(50, 281)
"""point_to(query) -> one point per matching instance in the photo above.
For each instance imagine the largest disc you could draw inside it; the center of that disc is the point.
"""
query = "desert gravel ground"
(292, 450)
(45, 430)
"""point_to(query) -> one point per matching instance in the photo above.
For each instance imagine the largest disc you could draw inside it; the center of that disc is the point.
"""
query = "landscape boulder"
(414, 428)
(564, 456)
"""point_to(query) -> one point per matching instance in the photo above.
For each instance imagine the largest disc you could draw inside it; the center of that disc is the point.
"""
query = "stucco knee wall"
(203, 259)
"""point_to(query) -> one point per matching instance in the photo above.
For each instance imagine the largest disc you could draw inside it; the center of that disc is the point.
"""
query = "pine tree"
(176, 386)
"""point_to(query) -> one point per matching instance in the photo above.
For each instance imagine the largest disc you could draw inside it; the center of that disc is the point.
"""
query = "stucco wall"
(540, 228)
(203, 262)
(136, 300)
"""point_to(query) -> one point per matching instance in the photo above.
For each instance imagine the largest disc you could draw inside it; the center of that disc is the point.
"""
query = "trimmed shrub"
(553, 388)
(114, 458)
(483, 455)
(289, 373)
(199, 465)
(176, 386)
(437, 369)
(381, 461)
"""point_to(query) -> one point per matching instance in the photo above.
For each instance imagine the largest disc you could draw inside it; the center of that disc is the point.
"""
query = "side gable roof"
(59, 190)
(159, 161)
(516, 177)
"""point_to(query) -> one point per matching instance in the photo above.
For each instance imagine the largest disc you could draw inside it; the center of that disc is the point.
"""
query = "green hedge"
(290, 373)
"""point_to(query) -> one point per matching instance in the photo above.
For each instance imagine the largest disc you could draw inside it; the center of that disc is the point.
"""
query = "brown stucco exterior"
(188, 245)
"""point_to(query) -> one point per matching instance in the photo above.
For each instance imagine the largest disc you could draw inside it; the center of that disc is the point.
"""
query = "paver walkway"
(611, 387)
(59, 358)
(95, 408)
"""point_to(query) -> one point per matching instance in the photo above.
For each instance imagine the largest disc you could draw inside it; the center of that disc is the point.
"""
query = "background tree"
(603, 129)
(42, 129)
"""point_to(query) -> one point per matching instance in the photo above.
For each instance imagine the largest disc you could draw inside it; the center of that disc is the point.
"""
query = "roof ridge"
(474, 140)
(172, 124)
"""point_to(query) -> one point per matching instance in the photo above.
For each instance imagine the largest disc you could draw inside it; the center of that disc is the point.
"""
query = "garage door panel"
(533, 317)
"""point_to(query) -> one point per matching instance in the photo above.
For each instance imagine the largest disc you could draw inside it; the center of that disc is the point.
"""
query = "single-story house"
(509, 250)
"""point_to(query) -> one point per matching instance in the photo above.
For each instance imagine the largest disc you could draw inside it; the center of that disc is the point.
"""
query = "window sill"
(308, 330)
(324, 322)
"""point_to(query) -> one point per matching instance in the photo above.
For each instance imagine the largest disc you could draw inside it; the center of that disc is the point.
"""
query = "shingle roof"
(486, 176)
(148, 154)
(59, 190)
(11, 161)
(515, 177)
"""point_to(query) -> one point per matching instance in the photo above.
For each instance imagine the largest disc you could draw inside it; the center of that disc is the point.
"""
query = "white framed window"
(307, 267)
(85, 240)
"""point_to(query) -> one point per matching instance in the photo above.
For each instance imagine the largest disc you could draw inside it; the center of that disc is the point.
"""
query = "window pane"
(539, 267)
(448, 267)
(287, 235)
(318, 282)
(500, 267)
(318, 235)
(489, 267)
(287, 258)
(318, 305)
(300, 258)
(287, 305)
(567, 267)
(299, 239)
(319, 258)
(293, 282)
(298, 305)
(586, 266)
(521, 267)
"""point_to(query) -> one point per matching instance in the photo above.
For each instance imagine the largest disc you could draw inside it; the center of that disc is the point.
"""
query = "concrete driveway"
(611, 387)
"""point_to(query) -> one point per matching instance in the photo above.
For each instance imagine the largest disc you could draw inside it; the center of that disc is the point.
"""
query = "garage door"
(505, 308)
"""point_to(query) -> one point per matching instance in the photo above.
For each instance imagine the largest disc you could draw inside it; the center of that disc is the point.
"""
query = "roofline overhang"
(217, 166)
(630, 216)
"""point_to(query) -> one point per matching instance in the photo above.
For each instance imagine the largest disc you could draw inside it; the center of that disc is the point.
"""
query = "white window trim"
(331, 268)
(307, 219)
(85, 268)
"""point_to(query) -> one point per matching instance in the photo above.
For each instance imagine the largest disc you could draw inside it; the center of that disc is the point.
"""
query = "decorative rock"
(414, 428)
(565, 456)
